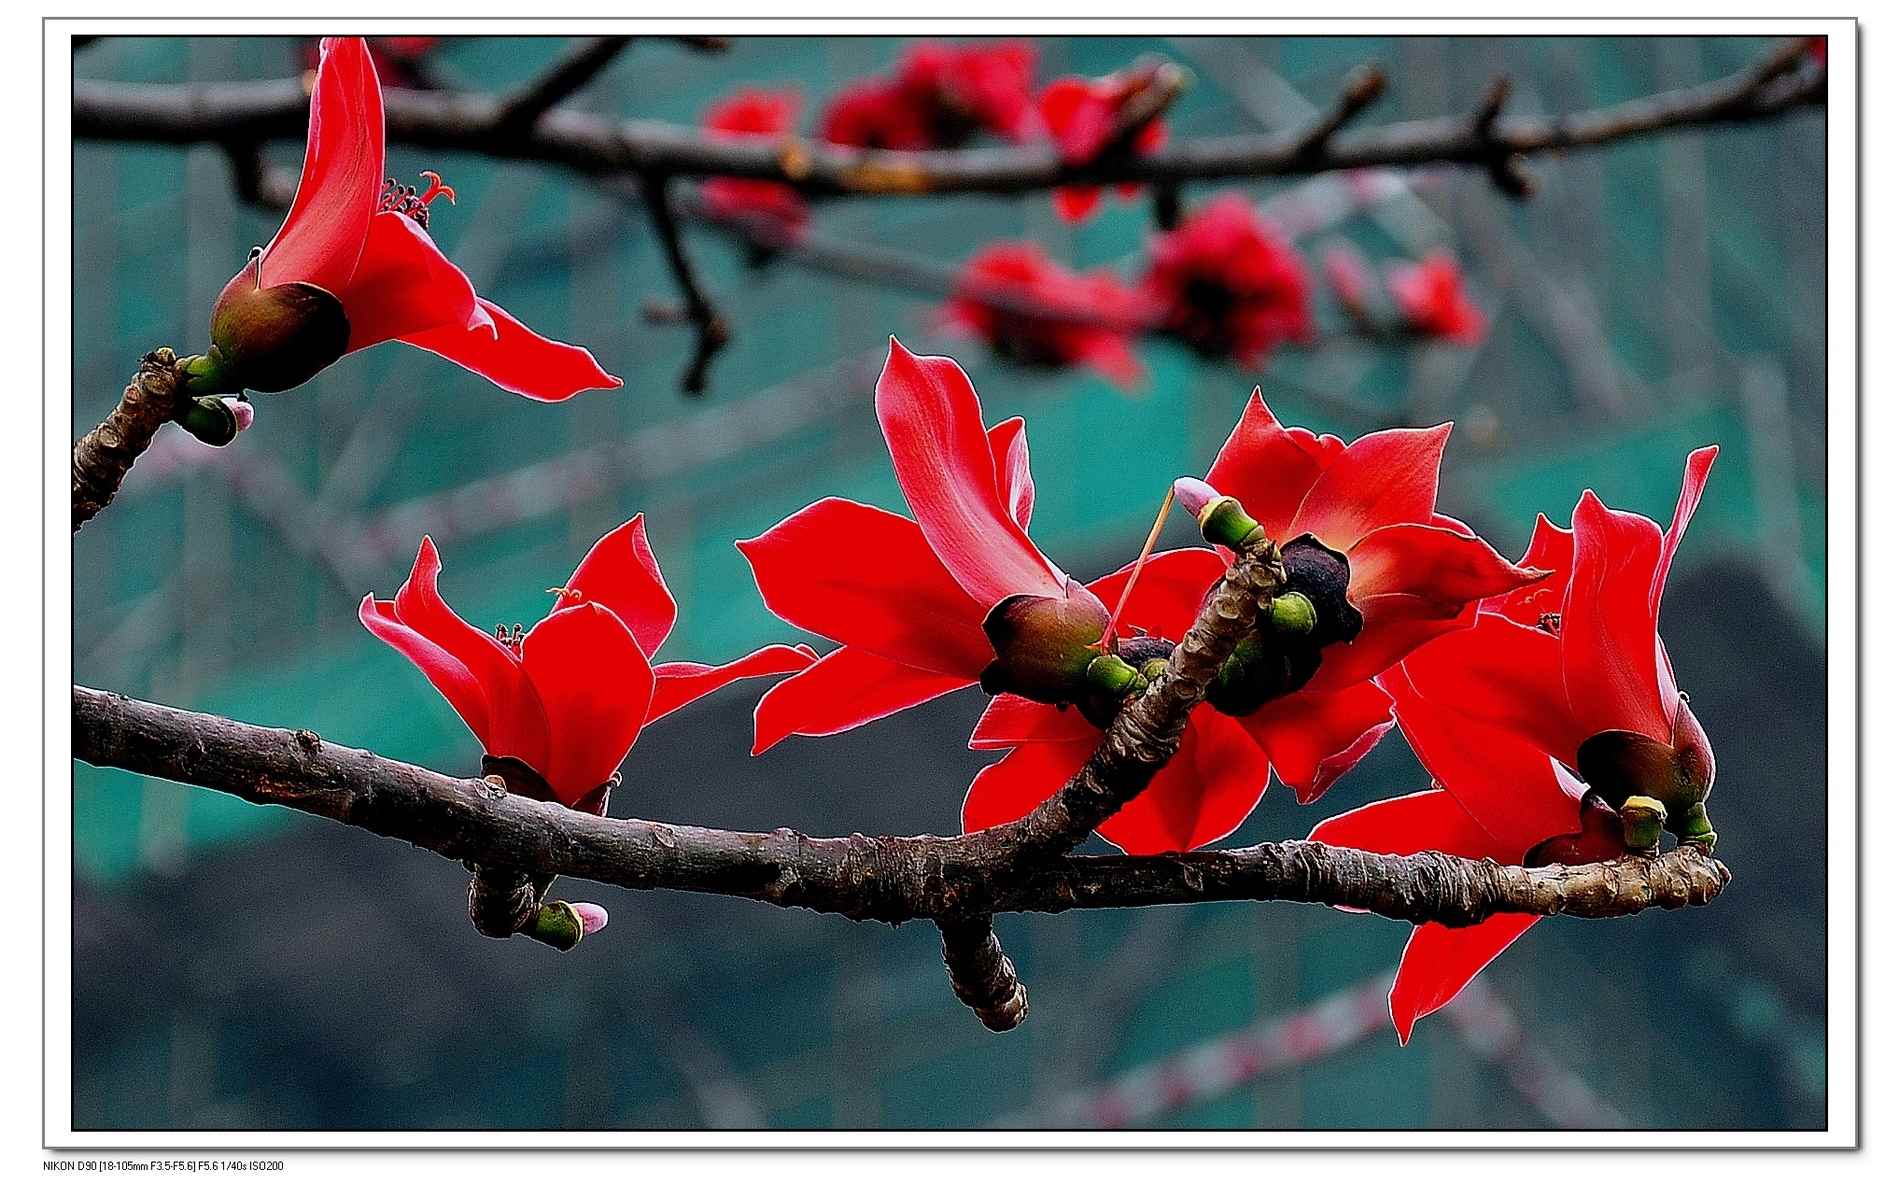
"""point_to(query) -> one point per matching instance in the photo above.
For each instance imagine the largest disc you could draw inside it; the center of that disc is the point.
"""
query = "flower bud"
(1261, 668)
(269, 339)
(211, 419)
(1112, 678)
(562, 925)
(593, 917)
(1621, 765)
(1643, 819)
(1044, 644)
(1294, 614)
(1222, 520)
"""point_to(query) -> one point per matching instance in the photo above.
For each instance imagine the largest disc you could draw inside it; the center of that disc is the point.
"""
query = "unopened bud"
(593, 917)
(1293, 613)
(1643, 819)
(559, 924)
(242, 410)
(210, 419)
(1222, 520)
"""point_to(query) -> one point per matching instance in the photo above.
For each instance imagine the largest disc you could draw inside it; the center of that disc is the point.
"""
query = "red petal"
(596, 686)
(846, 688)
(1551, 549)
(1431, 820)
(517, 726)
(1434, 563)
(405, 285)
(1017, 784)
(1169, 594)
(1267, 467)
(621, 574)
(449, 676)
(1078, 116)
(1610, 669)
(1111, 356)
(322, 236)
(1313, 739)
(1496, 673)
(1502, 778)
(675, 684)
(867, 578)
(1695, 476)
(1199, 797)
(1011, 720)
(1074, 203)
(933, 425)
(1009, 446)
(517, 359)
(1439, 962)
(1380, 479)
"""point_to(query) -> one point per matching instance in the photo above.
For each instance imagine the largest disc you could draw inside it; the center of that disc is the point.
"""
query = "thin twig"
(572, 71)
(711, 333)
(1362, 89)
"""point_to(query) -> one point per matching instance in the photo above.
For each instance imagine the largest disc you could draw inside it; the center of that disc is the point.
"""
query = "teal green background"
(1651, 298)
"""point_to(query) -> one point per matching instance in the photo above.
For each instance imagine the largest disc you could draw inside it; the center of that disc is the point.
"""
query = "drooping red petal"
(846, 688)
(1552, 550)
(517, 359)
(1169, 593)
(1017, 784)
(1695, 476)
(322, 236)
(867, 578)
(404, 285)
(1011, 720)
(1434, 563)
(621, 573)
(1430, 820)
(517, 725)
(1267, 467)
(675, 684)
(596, 685)
(1312, 739)
(933, 425)
(1496, 673)
(1608, 633)
(1439, 962)
(1201, 796)
(1080, 117)
(1503, 779)
(1381, 478)
(1009, 446)
(444, 672)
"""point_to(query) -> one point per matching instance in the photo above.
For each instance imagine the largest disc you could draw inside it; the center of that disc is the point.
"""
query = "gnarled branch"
(103, 456)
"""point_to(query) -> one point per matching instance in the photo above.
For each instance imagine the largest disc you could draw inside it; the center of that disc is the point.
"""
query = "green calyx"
(1625, 766)
(1044, 644)
(1643, 819)
(1225, 523)
(210, 419)
(558, 924)
(1293, 614)
(268, 338)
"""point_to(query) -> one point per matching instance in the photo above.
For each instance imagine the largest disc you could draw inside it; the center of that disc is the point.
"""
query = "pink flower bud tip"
(1195, 495)
(242, 410)
(593, 917)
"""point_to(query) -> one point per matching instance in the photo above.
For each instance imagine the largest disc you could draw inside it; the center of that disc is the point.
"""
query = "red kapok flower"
(1230, 284)
(879, 113)
(568, 698)
(908, 600)
(1431, 297)
(755, 114)
(1363, 540)
(353, 265)
(1083, 115)
(1350, 281)
(1031, 309)
(940, 96)
(1575, 666)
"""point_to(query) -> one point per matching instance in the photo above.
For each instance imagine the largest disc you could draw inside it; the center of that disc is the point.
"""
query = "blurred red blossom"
(1555, 708)
(355, 239)
(755, 114)
(1085, 118)
(1229, 284)
(1431, 297)
(939, 97)
(568, 698)
(1032, 309)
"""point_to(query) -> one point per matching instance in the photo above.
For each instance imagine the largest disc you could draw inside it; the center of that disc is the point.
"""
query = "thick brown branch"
(252, 111)
(887, 879)
(103, 456)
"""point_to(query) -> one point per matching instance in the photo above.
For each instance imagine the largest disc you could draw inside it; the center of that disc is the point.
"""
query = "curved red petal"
(1009, 447)
(516, 358)
(933, 425)
(1435, 563)
(1439, 962)
(1011, 720)
(844, 689)
(404, 285)
(1200, 797)
(596, 685)
(1551, 549)
(1695, 475)
(675, 684)
(444, 672)
(1078, 116)
(1503, 779)
(1111, 356)
(621, 573)
(1168, 595)
(322, 236)
(1267, 467)
(1312, 739)
(1382, 478)
(517, 724)
(1610, 671)
(1395, 627)
(1017, 784)
(1430, 820)
(867, 578)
